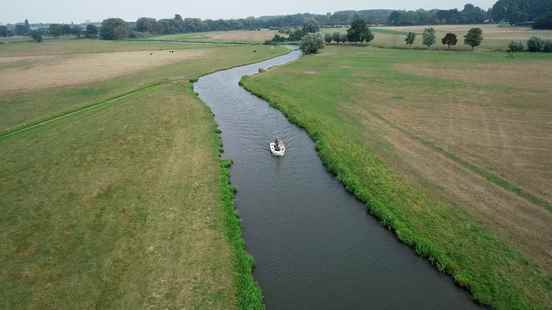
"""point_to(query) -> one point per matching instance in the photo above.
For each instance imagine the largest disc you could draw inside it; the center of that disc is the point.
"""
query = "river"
(314, 244)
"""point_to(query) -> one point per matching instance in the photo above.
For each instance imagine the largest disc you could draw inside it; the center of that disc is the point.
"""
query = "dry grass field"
(66, 70)
(86, 46)
(238, 36)
(426, 136)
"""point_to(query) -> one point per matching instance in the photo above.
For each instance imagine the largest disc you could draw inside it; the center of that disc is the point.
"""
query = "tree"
(311, 43)
(296, 35)
(544, 21)
(474, 37)
(114, 29)
(449, 40)
(27, 27)
(55, 30)
(167, 26)
(343, 37)
(547, 47)
(75, 30)
(328, 38)
(91, 31)
(518, 11)
(20, 30)
(472, 14)
(66, 29)
(3, 31)
(37, 36)
(535, 45)
(410, 38)
(336, 36)
(428, 37)
(150, 25)
(311, 26)
(359, 32)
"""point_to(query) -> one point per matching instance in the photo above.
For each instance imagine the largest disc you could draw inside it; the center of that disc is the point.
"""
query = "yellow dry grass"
(70, 70)
(249, 36)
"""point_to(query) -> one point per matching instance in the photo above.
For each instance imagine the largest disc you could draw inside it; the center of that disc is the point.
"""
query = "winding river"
(314, 244)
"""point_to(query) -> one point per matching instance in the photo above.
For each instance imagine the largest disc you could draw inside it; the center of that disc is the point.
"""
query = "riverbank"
(366, 110)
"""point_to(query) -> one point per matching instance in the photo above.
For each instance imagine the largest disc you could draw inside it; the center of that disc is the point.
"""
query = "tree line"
(537, 12)
(471, 14)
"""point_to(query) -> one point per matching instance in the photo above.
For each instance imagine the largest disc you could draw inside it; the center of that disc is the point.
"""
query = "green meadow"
(113, 192)
(447, 149)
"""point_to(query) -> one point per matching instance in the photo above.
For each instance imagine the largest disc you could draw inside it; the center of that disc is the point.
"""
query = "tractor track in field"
(87, 108)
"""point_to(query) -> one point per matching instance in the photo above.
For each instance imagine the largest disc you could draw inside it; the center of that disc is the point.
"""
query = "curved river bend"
(314, 244)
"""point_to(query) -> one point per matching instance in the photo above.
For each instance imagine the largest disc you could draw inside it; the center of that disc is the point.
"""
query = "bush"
(328, 38)
(37, 36)
(535, 45)
(516, 46)
(547, 47)
(311, 43)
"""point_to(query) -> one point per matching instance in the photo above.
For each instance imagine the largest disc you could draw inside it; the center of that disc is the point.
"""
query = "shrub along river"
(314, 244)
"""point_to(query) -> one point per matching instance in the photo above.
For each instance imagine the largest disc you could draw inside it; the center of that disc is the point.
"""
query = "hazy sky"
(96, 10)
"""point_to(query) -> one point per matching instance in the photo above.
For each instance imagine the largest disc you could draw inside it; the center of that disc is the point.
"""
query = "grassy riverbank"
(447, 149)
(125, 204)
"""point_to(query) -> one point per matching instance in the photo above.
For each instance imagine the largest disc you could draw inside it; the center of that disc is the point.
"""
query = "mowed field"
(237, 36)
(495, 38)
(112, 192)
(452, 150)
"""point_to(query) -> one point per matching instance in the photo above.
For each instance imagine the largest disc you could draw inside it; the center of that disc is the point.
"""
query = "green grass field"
(448, 149)
(495, 38)
(123, 204)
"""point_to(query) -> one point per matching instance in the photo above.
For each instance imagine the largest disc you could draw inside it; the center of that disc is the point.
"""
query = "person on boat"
(277, 144)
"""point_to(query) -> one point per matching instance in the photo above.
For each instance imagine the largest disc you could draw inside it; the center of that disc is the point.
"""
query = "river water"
(314, 244)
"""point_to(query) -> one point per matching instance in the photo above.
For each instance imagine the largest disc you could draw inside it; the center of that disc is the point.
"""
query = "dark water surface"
(314, 244)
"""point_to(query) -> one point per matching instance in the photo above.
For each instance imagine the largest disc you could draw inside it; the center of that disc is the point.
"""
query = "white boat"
(281, 149)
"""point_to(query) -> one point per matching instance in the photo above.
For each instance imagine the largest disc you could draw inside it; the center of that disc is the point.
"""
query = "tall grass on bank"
(248, 293)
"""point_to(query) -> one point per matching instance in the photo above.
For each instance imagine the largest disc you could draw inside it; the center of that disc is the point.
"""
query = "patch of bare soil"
(56, 71)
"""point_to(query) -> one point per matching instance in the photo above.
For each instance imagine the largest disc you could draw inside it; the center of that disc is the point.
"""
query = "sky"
(78, 11)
